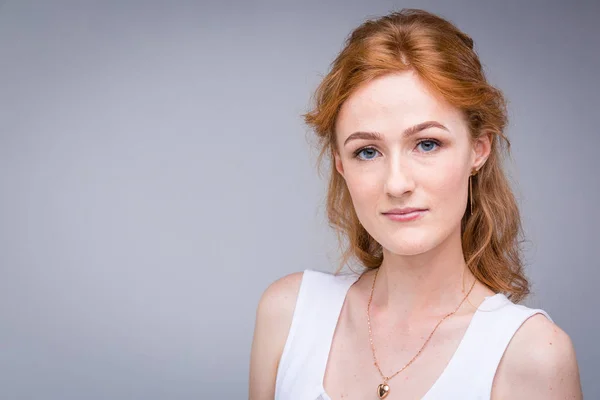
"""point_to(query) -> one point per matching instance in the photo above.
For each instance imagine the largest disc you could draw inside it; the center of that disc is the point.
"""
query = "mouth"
(405, 215)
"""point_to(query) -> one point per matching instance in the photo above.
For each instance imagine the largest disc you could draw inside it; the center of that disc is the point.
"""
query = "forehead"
(392, 103)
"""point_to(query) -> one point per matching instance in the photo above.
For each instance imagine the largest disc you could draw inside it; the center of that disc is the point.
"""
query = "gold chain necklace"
(384, 389)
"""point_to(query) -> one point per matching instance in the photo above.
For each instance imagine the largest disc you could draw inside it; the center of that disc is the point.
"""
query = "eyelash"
(357, 152)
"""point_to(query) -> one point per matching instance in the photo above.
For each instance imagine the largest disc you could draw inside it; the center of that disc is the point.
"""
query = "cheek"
(450, 172)
(364, 187)
(448, 184)
(449, 191)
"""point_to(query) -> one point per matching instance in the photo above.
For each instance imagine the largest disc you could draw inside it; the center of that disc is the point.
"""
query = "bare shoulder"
(279, 298)
(274, 315)
(539, 363)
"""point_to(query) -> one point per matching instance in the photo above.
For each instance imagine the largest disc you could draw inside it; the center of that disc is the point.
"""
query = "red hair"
(444, 58)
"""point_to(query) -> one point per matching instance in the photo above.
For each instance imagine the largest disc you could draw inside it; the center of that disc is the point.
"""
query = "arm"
(273, 320)
(539, 363)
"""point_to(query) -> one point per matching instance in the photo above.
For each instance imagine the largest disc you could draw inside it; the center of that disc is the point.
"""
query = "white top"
(468, 375)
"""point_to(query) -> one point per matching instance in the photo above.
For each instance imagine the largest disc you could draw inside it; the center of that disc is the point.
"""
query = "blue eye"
(369, 153)
(428, 145)
(364, 149)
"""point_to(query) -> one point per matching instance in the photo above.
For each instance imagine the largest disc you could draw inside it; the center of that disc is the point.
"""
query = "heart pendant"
(383, 390)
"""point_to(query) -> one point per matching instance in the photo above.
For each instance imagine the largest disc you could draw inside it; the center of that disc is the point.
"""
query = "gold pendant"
(383, 390)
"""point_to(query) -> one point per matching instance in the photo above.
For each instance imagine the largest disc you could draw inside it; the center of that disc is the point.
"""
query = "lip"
(405, 214)
(405, 210)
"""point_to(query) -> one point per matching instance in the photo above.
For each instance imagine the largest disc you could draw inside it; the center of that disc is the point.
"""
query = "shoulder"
(279, 298)
(276, 308)
(539, 363)
(274, 315)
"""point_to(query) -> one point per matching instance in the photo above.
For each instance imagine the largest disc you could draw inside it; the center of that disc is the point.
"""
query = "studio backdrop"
(156, 177)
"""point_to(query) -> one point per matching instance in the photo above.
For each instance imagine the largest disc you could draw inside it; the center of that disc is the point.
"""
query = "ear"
(481, 150)
(338, 163)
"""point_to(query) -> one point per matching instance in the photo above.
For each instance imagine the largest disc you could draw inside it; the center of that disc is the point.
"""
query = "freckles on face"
(365, 189)
(449, 179)
(387, 107)
(393, 165)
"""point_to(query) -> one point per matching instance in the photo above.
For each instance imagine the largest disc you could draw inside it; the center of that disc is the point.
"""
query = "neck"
(424, 285)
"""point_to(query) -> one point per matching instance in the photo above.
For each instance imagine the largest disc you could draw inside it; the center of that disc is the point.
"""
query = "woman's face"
(401, 146)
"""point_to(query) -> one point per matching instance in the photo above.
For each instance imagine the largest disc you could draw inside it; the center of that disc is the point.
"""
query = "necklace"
(384, 389)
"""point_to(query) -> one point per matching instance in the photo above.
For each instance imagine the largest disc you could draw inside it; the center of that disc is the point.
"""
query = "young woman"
(414, 133)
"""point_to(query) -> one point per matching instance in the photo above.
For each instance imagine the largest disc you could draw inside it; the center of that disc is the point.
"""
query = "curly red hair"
(444, 58)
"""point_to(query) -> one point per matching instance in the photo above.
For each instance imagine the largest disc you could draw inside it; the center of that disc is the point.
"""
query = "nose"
(399, 178)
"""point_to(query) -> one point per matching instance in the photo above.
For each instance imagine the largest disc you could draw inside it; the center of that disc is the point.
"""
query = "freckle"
(550, 342)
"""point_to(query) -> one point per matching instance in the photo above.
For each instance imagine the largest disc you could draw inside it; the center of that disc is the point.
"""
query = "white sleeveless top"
(468, 375)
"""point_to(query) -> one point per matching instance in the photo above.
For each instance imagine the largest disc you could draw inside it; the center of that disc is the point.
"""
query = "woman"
(414, 133)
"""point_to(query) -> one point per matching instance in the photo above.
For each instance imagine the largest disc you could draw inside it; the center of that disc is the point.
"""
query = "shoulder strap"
(331, 293)
(496, 333)
(304, 358)
(478, 356)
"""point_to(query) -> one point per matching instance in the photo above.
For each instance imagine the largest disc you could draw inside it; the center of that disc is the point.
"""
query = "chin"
(410, 243)
(408, 249)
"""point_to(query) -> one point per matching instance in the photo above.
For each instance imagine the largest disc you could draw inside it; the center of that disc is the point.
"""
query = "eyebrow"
(407, 132)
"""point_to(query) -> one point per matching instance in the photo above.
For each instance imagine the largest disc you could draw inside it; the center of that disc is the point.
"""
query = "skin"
(423, 261)
(423, 276)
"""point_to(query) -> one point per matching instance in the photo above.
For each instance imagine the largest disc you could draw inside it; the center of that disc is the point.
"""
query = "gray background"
(156, 177)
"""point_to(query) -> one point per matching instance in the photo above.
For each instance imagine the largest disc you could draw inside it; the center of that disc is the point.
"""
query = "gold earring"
(471, 190)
